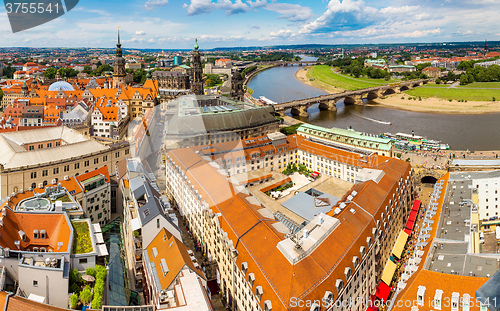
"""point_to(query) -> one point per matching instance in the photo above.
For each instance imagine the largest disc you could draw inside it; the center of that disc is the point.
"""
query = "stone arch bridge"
(327, 102)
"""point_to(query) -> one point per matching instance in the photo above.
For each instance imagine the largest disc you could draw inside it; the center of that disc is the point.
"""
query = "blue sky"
(171, 24)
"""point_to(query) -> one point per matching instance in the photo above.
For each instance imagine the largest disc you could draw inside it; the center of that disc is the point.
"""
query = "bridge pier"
(353, 100)
(328, 105)
(299, 111)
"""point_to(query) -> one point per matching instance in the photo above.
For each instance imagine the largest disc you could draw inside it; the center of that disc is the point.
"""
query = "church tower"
(197, 85)
(118, 65)
(237, 91)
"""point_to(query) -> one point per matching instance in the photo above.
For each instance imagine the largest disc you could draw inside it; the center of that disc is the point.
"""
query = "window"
(96, 161)
(66, 168)
(82, 260)
(33, 185)
(105, 158)
(56, 170)
(86, 163)
(45, 172)
(99, 216)
(127, 151)
(77, 166)
(33, 175)
(35, 283)
(117, 154)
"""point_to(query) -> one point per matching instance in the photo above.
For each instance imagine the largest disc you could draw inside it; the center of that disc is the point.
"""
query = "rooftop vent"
(17, 244)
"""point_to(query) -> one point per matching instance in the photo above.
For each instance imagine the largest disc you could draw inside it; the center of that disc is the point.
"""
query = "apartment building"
(45, 156)
(145, 213)
(264, 266)
(173, 277)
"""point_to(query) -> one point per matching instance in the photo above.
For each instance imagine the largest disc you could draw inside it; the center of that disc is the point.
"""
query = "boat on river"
(405, 141)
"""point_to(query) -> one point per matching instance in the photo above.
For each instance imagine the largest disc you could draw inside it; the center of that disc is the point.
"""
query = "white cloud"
(197, 7)
(140, 32)
(292, 12)
(282, 33)
(152, 4)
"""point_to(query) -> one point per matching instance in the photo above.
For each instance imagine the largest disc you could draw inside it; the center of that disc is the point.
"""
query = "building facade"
(259, 262)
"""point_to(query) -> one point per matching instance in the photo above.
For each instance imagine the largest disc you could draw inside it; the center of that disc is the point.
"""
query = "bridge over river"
(327, 102)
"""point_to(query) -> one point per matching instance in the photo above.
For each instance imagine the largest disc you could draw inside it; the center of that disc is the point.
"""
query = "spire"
(196, 44)
(118, 44)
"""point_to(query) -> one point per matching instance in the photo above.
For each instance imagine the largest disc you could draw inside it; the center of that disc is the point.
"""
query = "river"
(461, 132)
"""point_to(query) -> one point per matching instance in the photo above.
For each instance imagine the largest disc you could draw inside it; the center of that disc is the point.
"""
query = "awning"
(37, 298)
(314, 174)
(410, 224)
(383, 291)
(408, 231)
(400, 244)
(413, 216)
(136, 224)
(416, 205)
(102, 250)
(96, 228)
(99, 239)
(389, 270)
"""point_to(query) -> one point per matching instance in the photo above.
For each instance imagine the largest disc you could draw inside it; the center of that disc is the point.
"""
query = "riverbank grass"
(322, 75)
(475, 93)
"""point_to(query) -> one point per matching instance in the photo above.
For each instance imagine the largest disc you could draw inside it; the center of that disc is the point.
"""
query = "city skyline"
(164, 24)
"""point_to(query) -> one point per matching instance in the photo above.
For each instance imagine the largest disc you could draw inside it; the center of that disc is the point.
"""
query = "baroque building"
(118, 66)
(197, 85)
(237, 91)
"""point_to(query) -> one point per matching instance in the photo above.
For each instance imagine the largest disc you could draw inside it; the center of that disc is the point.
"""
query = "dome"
(65, 86)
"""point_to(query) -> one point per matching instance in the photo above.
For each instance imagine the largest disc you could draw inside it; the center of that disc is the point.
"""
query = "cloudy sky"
(171, 24)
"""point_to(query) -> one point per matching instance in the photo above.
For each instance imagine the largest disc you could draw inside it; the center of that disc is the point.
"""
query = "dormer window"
(35, 234)
(437, 299)
(362, 251)
(315, 307)
(347, 273)
(339, 285)
(466, 302)
(259, 292)
(244, 267)
(355, 261)
(369, 241)
(454, 301)
(251, 278)
(328, 298)
(268, 306)
(421, 295)
(43, 234)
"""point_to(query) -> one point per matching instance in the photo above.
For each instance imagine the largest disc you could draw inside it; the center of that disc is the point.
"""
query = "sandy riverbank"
(437, 105)
(431, 105)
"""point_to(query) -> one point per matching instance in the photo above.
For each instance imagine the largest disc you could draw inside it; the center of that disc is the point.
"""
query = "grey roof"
(490, 292)
(303, 205)
(189, 120)
(13, 154)
(462, 162)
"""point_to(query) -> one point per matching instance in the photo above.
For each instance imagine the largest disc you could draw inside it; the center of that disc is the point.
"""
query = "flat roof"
(306, 206)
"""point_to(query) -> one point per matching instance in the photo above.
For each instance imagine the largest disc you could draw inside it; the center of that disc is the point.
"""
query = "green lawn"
(323, 75)
(485, 85)
(456, 93)
(82, 243)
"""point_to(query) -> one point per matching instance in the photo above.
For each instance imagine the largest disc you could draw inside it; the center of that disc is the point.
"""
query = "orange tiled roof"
(56, 226)
(175, 254)
(312, 276)
(448, 283)
(102, 170)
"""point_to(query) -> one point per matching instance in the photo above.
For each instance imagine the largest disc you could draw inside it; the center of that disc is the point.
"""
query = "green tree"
(140, 75)
(86, 295)
(90, 271)
(87, 69)
(75, 277)
(9, 71)
(50, 73)
(98, 64)
(438, 81)
(73, 301)
(1, 95)
(102, 68)
(464, 79)
(97, 302)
